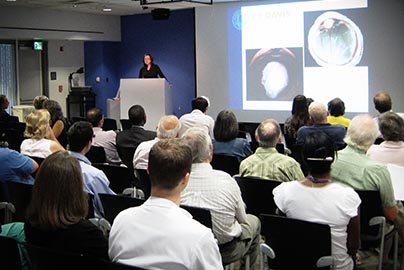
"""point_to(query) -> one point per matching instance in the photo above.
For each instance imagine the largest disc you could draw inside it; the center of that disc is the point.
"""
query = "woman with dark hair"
(336, 109)
(56, 216)
(149, 69)
(58, 122)
(317, 199)
(300, 117)
(225, 132)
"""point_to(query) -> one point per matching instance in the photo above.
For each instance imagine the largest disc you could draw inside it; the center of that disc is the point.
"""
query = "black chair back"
(109, 124)
(78, 118)
(125, 123)
(200, 214)
(38, 160)
(13, 134)
(9, 254)
(114, 204)
(119, 177)
(297, 244)
(126, 155)
(257, 194)
(229, 164)
(20, 197)
(144, 182)
(90, 206)
(96, 154)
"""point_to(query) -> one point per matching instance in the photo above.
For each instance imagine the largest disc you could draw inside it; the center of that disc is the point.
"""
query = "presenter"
(150, 70)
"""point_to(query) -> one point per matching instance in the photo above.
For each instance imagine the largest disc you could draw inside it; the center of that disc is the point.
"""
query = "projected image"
(274, 74)
(335, 40)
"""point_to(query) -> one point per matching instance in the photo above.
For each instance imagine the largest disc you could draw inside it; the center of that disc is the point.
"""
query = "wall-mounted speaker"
(160, 13)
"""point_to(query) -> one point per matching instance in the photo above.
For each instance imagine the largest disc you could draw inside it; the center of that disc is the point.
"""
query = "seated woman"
(300, 117)
(317, 199)
(41, 142)
(336, 109)
(58, 122)
(58, 208)
(226, 142)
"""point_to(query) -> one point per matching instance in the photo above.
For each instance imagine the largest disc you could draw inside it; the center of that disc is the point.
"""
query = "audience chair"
(200, 214)
(144, 182)
(90, 206)
(119, 177)
(265, 251)
(125, 124)
(38, 160)
(20, 197)
(78, 118)
(297, 244)
(257, 194)
(7, 210)
(226, 163)
(102, 224)
(9, 254)
(126, 155)
(109, 124)
(96, 154)
(13, 137)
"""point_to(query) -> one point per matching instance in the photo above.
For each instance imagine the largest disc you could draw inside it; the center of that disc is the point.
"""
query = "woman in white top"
(317, 199)
(41, 141)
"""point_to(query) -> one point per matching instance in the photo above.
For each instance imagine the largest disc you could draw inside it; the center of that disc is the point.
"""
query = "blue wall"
(172, 44)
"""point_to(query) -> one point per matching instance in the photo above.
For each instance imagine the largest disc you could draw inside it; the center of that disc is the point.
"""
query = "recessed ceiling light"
(11, 0)
(107, 9)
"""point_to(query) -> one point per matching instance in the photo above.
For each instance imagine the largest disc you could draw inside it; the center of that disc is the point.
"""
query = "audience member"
(56, 216)
(132, 137)
(41, 141)
(357, 170)
(336, 109)
(198, 117)
(104, 139)
(16, 167)
(237, 233)
(382, 101)
(226, 142)
(266, 162)
(391, 125)
(80, 137)
(168, 127)
(4, 116)
(58, 122)
(317, 199)
(299, 118)
(318, 114)
(167, 237)
(38, 102)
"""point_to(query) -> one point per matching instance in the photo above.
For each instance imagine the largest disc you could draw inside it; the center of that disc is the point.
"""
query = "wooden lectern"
(154, 95)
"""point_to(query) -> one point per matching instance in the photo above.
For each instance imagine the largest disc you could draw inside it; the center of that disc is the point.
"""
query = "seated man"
(80, 137)
(4, 116)
(16, 167)
(159, 234)
(391, 125)
(266, 162)
(104, 139)
(167, 128)
(353, 168)
(237, 233)
(318, 114)
(198, 117)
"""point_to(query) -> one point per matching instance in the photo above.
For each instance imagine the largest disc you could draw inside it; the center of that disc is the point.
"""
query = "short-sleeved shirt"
(269, 164)
(353, 168)
(388, 152)
(15, 166)
(339, 120)
(197, 119)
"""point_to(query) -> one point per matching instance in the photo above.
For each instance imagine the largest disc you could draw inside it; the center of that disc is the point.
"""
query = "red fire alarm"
(60, 88)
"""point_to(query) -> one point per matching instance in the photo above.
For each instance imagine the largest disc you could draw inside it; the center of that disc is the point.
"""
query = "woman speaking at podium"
(150, 70)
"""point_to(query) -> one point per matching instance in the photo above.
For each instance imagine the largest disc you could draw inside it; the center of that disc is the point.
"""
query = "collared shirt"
(269, 164)
(160, 235)
(339, 120)
(336, 132)
(353, 168)
(218, 192)
(106, 139)
(197, 119)
(388, 152)
(95, 181)
(15, 167)
(141, 156)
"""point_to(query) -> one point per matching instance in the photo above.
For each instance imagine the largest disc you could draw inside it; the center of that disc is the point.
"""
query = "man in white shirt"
(105, 139)
(167, 128)
(238, 234)
(159, 234)
(198, 117)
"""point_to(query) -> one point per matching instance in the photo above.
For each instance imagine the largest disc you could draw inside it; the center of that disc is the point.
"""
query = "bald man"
(266, 162)
(167, 128)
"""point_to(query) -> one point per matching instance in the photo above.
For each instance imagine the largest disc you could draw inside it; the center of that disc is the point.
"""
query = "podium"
(154, 95)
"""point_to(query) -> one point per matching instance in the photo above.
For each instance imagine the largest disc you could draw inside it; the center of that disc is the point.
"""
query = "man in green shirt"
(266, 162)
(353, 168)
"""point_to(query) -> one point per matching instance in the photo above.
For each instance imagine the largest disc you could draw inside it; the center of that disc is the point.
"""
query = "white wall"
(52, 24)
(63, 63)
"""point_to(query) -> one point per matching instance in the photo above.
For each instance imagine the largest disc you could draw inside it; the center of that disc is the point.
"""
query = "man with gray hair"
(318, 114)
(353, 168)
(266, 162)
(237, 233)
(167, 128)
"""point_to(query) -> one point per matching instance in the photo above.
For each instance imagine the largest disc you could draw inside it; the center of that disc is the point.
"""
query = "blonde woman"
(41, 141)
